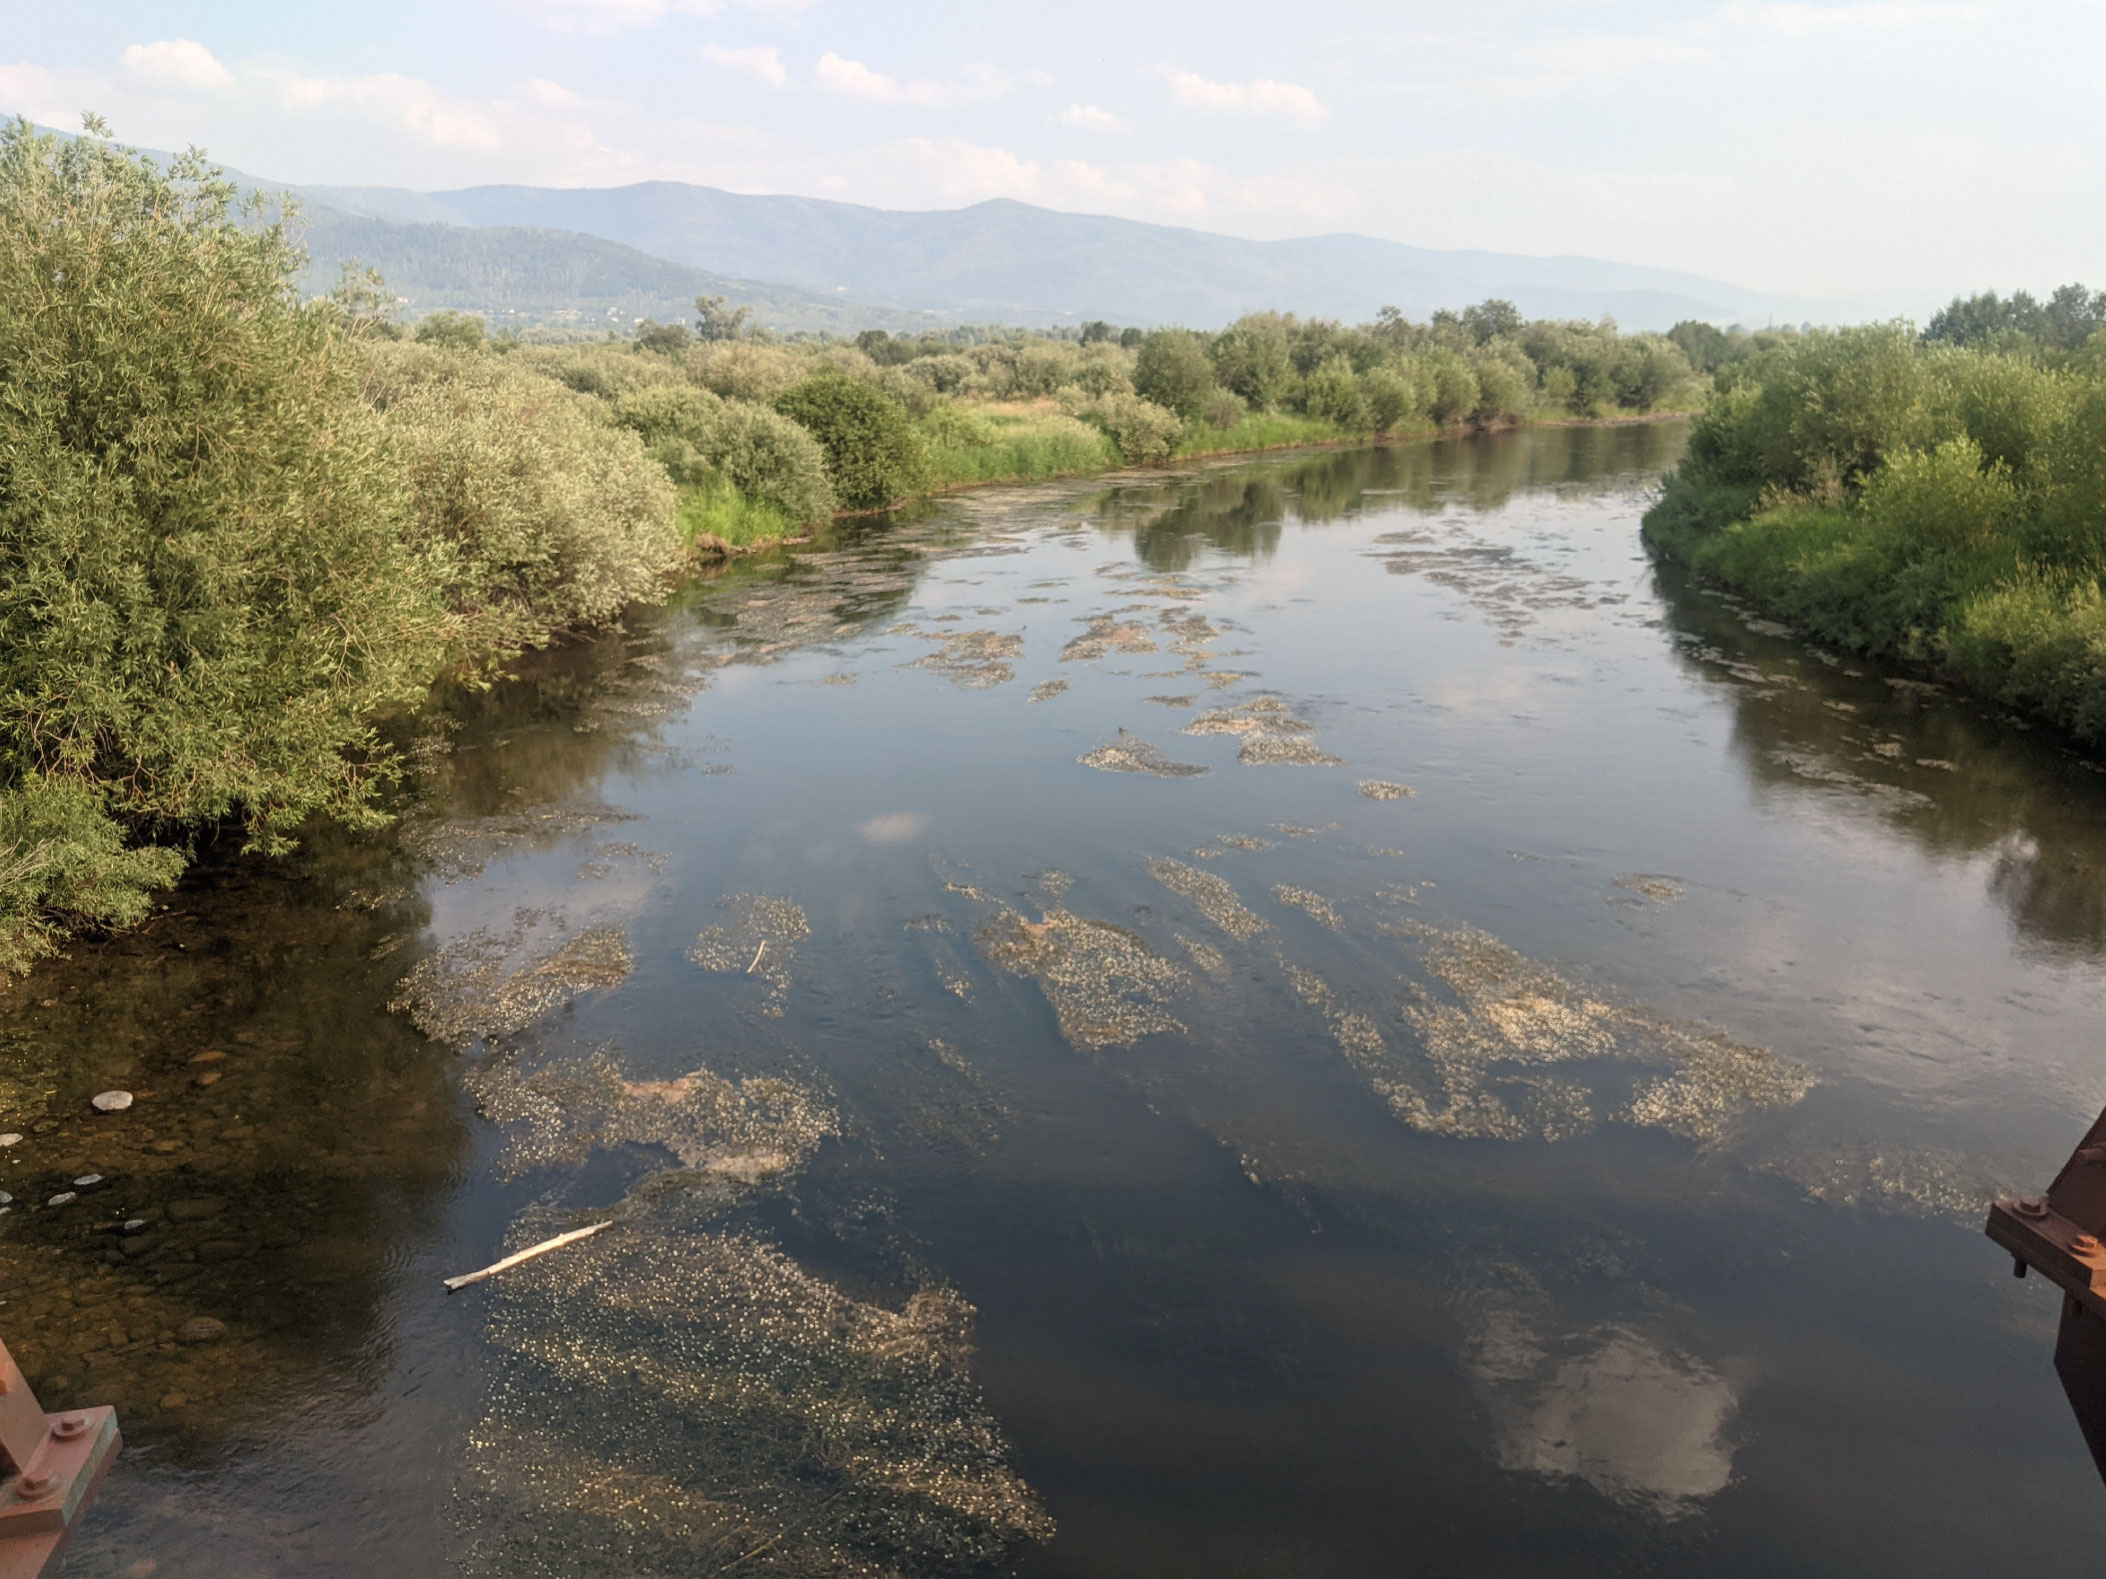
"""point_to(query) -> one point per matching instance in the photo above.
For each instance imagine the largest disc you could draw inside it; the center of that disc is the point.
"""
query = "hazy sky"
(1892, 151)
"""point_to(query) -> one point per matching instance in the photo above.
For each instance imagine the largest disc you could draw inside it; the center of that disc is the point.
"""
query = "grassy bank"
(1919, 499)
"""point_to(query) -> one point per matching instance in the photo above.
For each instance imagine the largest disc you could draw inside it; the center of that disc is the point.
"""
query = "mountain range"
(612, 254)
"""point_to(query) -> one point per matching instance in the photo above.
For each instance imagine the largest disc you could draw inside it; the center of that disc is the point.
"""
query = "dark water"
(1064, 1108)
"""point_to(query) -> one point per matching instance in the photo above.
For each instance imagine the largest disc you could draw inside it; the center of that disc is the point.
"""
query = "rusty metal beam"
(2058, 1236)
(51, 1467)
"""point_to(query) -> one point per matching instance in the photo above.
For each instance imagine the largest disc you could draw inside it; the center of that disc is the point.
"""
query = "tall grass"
(715, 515)
(1265, 430)
(995, 445)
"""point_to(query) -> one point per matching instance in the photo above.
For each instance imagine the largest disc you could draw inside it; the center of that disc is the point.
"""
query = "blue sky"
(1889, 151)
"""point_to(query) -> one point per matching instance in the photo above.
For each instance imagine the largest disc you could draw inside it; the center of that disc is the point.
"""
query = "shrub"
(1141, 429)
(1451, 386)
(1332, 394)
(536, 510)
(1222, 410)
(871, 452)
(1172, 370)
(64, 864)
(452, 331)
(1390, 399)
(700, 439)
(204, 593)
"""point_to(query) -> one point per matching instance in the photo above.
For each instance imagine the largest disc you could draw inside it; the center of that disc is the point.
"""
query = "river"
(1311, 1015)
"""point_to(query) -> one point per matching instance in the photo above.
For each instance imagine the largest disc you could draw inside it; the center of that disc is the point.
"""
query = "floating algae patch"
(1205, 956)
(1382, 789)
(1888, 1175)
(556, 1114)
(1171, 701)
(1310, 903)
(1243, 841)
(1651, 885)
(974, 660)
(670, 1398)
(1107, 987)
(1046, 690)
(1518, 1052)
(1107, 635)
(1129, 753)
(459, 848)
(1356, 1033)
(1212, 897)
(760, 940)
(1272, 736)
(486, 985)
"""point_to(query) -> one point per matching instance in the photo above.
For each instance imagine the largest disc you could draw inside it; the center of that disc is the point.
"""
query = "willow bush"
(204, 597)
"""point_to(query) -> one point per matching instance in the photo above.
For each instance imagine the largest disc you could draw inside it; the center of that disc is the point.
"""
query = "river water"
(1315, 1015)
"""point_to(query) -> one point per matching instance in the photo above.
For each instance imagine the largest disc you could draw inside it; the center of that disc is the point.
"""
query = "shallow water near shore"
(1311, 1015)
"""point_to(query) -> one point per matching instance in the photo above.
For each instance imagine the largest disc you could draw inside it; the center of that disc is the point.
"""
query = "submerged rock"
(108, 1102)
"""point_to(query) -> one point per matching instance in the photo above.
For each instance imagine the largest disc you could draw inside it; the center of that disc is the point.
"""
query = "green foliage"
(715, 321)
(64, 864)
(871, 452)
(1173, 372)
(1450, 385)
(452, 331)
(1001, 447)
(206, 596)
(1332, 394)
(1251, 360)
(715, 515)
(661, 339)
(537, 513)
(2064, 322)
(701, 439)
(1912, 499)
(1142, 430)
(1392, 399)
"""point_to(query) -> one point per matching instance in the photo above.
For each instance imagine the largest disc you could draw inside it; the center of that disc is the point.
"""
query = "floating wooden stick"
(454, 1284)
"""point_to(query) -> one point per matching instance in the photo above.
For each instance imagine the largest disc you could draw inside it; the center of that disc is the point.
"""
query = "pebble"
(133, 1225)
(6, 1199)
(210, 1077)
(207, 1057)
(196, 1210)
(202, 1329)
(110, 1101)
(63, 1198)
(10, 1139)
(87, 1181)
(173, 1400)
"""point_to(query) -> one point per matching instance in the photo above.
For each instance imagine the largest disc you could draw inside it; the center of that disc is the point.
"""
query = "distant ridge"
(1013, 262)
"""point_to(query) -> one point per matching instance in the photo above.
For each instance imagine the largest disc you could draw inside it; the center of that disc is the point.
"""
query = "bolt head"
(35, 1487)
(66, 1427)
(2030, 1206)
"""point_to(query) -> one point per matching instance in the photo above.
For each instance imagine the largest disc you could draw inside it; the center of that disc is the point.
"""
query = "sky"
(1887, 152)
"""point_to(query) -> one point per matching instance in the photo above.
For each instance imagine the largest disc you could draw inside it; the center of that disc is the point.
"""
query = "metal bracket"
(51, 1467)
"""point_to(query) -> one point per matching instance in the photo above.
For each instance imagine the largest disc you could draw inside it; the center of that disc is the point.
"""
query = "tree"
(715, 320)
(1705, 344)
(205, 596)
(453, 331)
(1172, 370)
(665, 339)
(1097, 330)
(1490, 319)
(871, 452)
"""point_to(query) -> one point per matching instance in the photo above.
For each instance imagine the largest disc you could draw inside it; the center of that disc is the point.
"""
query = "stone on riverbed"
(110, 1101)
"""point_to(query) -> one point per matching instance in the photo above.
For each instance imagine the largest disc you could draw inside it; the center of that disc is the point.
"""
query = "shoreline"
(708, 549)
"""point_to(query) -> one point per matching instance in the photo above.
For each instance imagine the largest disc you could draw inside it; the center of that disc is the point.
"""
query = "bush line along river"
(1317, 1014)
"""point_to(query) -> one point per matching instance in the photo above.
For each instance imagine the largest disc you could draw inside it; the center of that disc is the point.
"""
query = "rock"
(63, 1198)
(110, 1101)
(132, 1249)
(10, 1139)
(222, 1250)
(6, 1199)
(173, 1400)
(202, 1329)
(196, 1209)
(208, 1057)
(210, 1077)
(135, 1225)
(87, 1182)
(164, 1147)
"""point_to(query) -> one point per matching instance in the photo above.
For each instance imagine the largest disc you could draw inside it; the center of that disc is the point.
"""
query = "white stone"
(111, 1101)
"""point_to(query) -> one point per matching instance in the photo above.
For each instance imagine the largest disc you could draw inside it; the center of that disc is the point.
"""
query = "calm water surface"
(1311, 1016)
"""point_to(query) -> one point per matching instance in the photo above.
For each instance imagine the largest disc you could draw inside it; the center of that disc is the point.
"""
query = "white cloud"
(762, 62)
(1089, 118)
(894, 827)
(854, 80)
(412, 105)
(182, 64)
(1286, 100)
(550, 95)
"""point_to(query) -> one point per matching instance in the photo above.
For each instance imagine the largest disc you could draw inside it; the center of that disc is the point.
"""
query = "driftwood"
(454, 1284)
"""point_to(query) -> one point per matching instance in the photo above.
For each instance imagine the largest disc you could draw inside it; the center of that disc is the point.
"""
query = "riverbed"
(1311, 1015)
